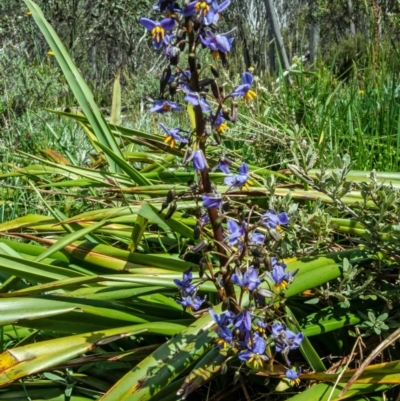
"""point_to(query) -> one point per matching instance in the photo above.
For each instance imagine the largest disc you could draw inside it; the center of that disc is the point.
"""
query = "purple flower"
(223, 164)
(211, 201)
(219, 8)
(199, 160)
(190, 302)
(243, 321)
(205, 10)
(244, 90)
(248, 281)
(273, 220)
(163, 106)
(158, 29)
(224, 319)
(196, 99)
(257, 239)
(240, 180)
(185, 284)
(173, 135)
(278, 275)
(236, 232)
(219, 123)
(293, 376)
(217, 43)
(171, 51)
(285, 340)
(261, 326)
(255, 352)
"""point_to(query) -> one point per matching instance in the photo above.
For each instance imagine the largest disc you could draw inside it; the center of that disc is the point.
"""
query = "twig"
(243, 384)
(384, 344)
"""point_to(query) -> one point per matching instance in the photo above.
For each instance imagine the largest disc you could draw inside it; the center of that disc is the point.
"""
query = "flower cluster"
(250, 337)
(236, 243)
(187, 292)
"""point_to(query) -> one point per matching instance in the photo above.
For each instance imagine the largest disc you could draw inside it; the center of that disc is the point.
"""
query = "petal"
(241, 90)
(233, 227)
(192, 99)
(168, 24)
(157, 45)
(244, 168)
(224, 5)
(148, 23)
(231, 180)
(247, 78)
(223, 44)
(245, 355)
(190, 9)
(164, 128)
(283, 218)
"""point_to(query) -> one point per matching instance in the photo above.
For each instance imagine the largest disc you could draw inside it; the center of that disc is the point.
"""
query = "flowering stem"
(206, 186)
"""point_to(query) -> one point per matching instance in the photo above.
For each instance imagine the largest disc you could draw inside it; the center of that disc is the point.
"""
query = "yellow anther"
(202, 6)
(222, 128)
(158, 33)
(250, 95)
(170, 140)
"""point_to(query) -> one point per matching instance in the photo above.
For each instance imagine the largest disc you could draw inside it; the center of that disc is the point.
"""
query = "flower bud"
(214, 71)
(171, 211)
(165, 76)
(215, 90)
(202, 266)
(196, 232)
(173, 87)
(200, 246)
(171, 195)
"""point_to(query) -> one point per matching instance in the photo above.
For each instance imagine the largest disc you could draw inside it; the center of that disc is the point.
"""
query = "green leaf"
(77, 84)
(306, 347)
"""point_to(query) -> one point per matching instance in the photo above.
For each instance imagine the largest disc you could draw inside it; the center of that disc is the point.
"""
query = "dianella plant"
(238, 244)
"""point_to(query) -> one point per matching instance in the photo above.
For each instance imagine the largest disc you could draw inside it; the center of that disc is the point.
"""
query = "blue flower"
(196, 99)
(222, 320)
(173, 135)
(244, 90)
(255, 352)
(248, 281)
(273, 220)
(257, 239)
(219, 8)
(199, 160)
(185, 284)
(219, 123)
(223, 164)
(236, 232)
(240, 180)
(190, 302)
(285, 340)
(217, 43)
(243, 321)
(211, 201)
(293, 376)
(278, 275)
(163, 106)
(224, 333)
(205, 10)
(158, 29)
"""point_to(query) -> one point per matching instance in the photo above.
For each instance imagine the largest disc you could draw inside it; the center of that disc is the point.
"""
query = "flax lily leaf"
(306, 347)
(33, 358)
(383, 373)
(34, 271)
(68, 239)
(115, 117)
(163, 365)
(135, 175)
(138, 230)
(322, 392)
(207, 368)
(77, 84)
